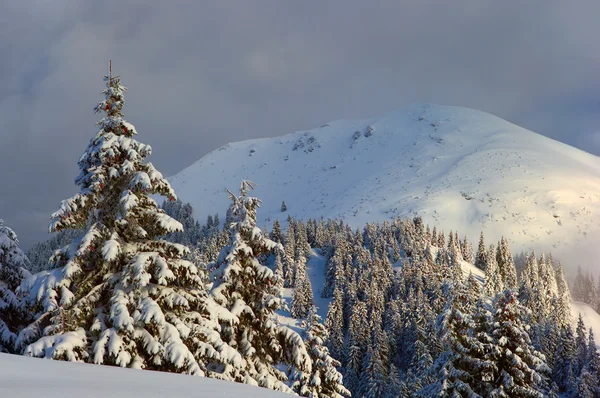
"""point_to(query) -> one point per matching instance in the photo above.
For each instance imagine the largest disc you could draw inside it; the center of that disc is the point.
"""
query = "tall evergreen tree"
(302, 298)
(579, 286)
(13, 262)
(520, 371)
(506, 265)
(278, 269)
(276, 235)
(334, 322)
(531, 291)
(581, 348)
(467, 251)
(593, 358)
(562, 305)
(587, 385)
(461, 369)
(441, 240)
(493, 278)
(249, 290)
(481, 256)
(563, 372)
(358, 338)
(119, 294)
(325, 381)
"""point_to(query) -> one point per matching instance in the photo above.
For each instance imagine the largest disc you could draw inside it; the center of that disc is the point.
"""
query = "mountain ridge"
(458, 168)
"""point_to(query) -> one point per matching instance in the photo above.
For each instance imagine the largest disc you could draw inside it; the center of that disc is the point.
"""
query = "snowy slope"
(458, 168)
(31, 377)
(591, 319)
(315, 268)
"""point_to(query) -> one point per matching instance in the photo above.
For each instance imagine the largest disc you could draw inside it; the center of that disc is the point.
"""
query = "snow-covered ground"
(591, 318)
(458, 168)
(24, 377)
(315, 268)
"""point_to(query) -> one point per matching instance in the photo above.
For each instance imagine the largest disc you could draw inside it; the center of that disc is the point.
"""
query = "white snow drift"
(32, 377)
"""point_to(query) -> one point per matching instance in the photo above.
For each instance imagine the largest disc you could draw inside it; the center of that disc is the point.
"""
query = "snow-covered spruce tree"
(118, 294)
(581, 348)
(278, 269)
(325, 381)
(276, 235)
(467, 250)
(587, 385)
(441, 240)
(506, 265)
(493, 278)
(593, 360)
(563, 371)
(251, 292)
(289, 244)
(579, 286)
(562, 304)
(358, 337)
(334, 322)
(520, 370)
(481, 256)
(12, 272)
(459, 371)
(531, 292)
(302, 299)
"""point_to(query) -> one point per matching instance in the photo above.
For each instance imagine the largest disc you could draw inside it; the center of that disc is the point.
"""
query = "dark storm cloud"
(204, 73)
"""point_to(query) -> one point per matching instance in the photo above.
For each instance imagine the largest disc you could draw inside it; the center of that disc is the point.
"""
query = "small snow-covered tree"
(251, 292)
(531, 292)
(276, 235)
(302, 299)
(587, 385)
(325, 381)
(493, 278)
(579, 286)
(562, 305)
(481, 256)
(335, 324)
(278, 269)
(506, 265)
(563, 371)
(467, 250)
(12, 272)
(581, 348)
(119, 294)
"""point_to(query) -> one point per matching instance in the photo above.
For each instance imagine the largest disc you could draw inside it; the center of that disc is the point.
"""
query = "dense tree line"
(404, 316)
(586, 289)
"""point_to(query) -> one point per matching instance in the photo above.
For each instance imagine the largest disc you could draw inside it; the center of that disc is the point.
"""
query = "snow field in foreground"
(23, 377)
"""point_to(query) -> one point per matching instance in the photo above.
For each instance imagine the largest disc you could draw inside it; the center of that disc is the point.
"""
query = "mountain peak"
(458, 168)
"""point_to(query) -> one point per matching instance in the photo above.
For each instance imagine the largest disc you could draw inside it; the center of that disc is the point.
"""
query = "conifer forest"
(314, 307)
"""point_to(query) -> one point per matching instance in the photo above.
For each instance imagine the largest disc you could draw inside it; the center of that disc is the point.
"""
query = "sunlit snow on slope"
(591, 319)
(32, 377)
(458, 168)
(315, 269)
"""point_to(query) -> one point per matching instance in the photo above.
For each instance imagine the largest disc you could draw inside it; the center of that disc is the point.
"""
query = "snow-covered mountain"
(456, 167)
(32, 377)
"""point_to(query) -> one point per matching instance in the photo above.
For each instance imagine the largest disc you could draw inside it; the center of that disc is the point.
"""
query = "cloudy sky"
(204, 73)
